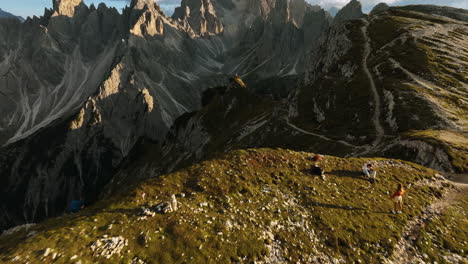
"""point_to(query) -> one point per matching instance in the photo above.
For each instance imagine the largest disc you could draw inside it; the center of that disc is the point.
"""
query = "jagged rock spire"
(65, 7)
(140, 4)
(200, 15)
(352, 11)
(151, 22)
(281, 11)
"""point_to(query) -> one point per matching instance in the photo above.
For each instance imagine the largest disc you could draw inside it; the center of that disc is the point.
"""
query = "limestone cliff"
(65, 7)
(97, 81)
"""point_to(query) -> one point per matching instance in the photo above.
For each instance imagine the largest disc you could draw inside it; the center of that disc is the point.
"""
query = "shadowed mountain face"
(395, 82)
(351, 11)
(74, 104)
(96, 82)
(378, 86)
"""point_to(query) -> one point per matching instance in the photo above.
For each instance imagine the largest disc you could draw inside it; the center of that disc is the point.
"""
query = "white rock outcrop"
(108, 246)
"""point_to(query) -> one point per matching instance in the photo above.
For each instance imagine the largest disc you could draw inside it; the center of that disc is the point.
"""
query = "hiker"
(369, 171)
(316, 168)
(397, 198)
(76, 206)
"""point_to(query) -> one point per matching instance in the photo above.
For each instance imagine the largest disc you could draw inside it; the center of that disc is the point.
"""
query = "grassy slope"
(267, 195)
(439, 59)
(226, 120)
(447, 234)
(430, 57)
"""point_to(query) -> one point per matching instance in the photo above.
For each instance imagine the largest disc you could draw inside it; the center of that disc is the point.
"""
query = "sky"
(26, 8)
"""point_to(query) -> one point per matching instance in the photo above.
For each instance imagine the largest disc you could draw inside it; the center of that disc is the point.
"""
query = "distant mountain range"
(4, 14)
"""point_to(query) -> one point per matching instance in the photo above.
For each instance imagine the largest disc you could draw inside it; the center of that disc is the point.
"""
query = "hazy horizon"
(27, 8)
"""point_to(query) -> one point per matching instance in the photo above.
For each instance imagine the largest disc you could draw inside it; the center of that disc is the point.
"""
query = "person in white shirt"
(369, 171)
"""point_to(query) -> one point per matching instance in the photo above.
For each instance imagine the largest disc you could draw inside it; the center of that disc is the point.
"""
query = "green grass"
(385, 29)
(425, 60)
(400, 11)
(446, 234)
(418, 108)
(258, 190)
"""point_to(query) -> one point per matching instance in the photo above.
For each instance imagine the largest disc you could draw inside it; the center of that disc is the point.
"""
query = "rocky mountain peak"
(140, 4)
(352, 11)
(152, 19)
(65, 7)
(281, 12)
(379, 8)
(297, 11)
(200, 15)
(285, 11)
(259, 8)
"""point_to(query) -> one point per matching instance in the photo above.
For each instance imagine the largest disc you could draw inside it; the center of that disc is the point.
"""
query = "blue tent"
(75, 206)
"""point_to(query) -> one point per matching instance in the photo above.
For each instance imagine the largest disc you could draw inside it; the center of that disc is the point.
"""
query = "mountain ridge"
(259, 205)
(97, 59)
(112, 80)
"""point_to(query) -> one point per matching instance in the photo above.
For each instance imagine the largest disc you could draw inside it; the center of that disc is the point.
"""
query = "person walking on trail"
(369, 171)
(317, 169)
(397, 198)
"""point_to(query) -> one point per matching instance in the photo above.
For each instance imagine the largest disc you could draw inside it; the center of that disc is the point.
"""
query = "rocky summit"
(189, 138)
(352, 11)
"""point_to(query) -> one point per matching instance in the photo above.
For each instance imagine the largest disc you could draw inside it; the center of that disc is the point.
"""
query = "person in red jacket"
(397, 198)
(317, 168)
